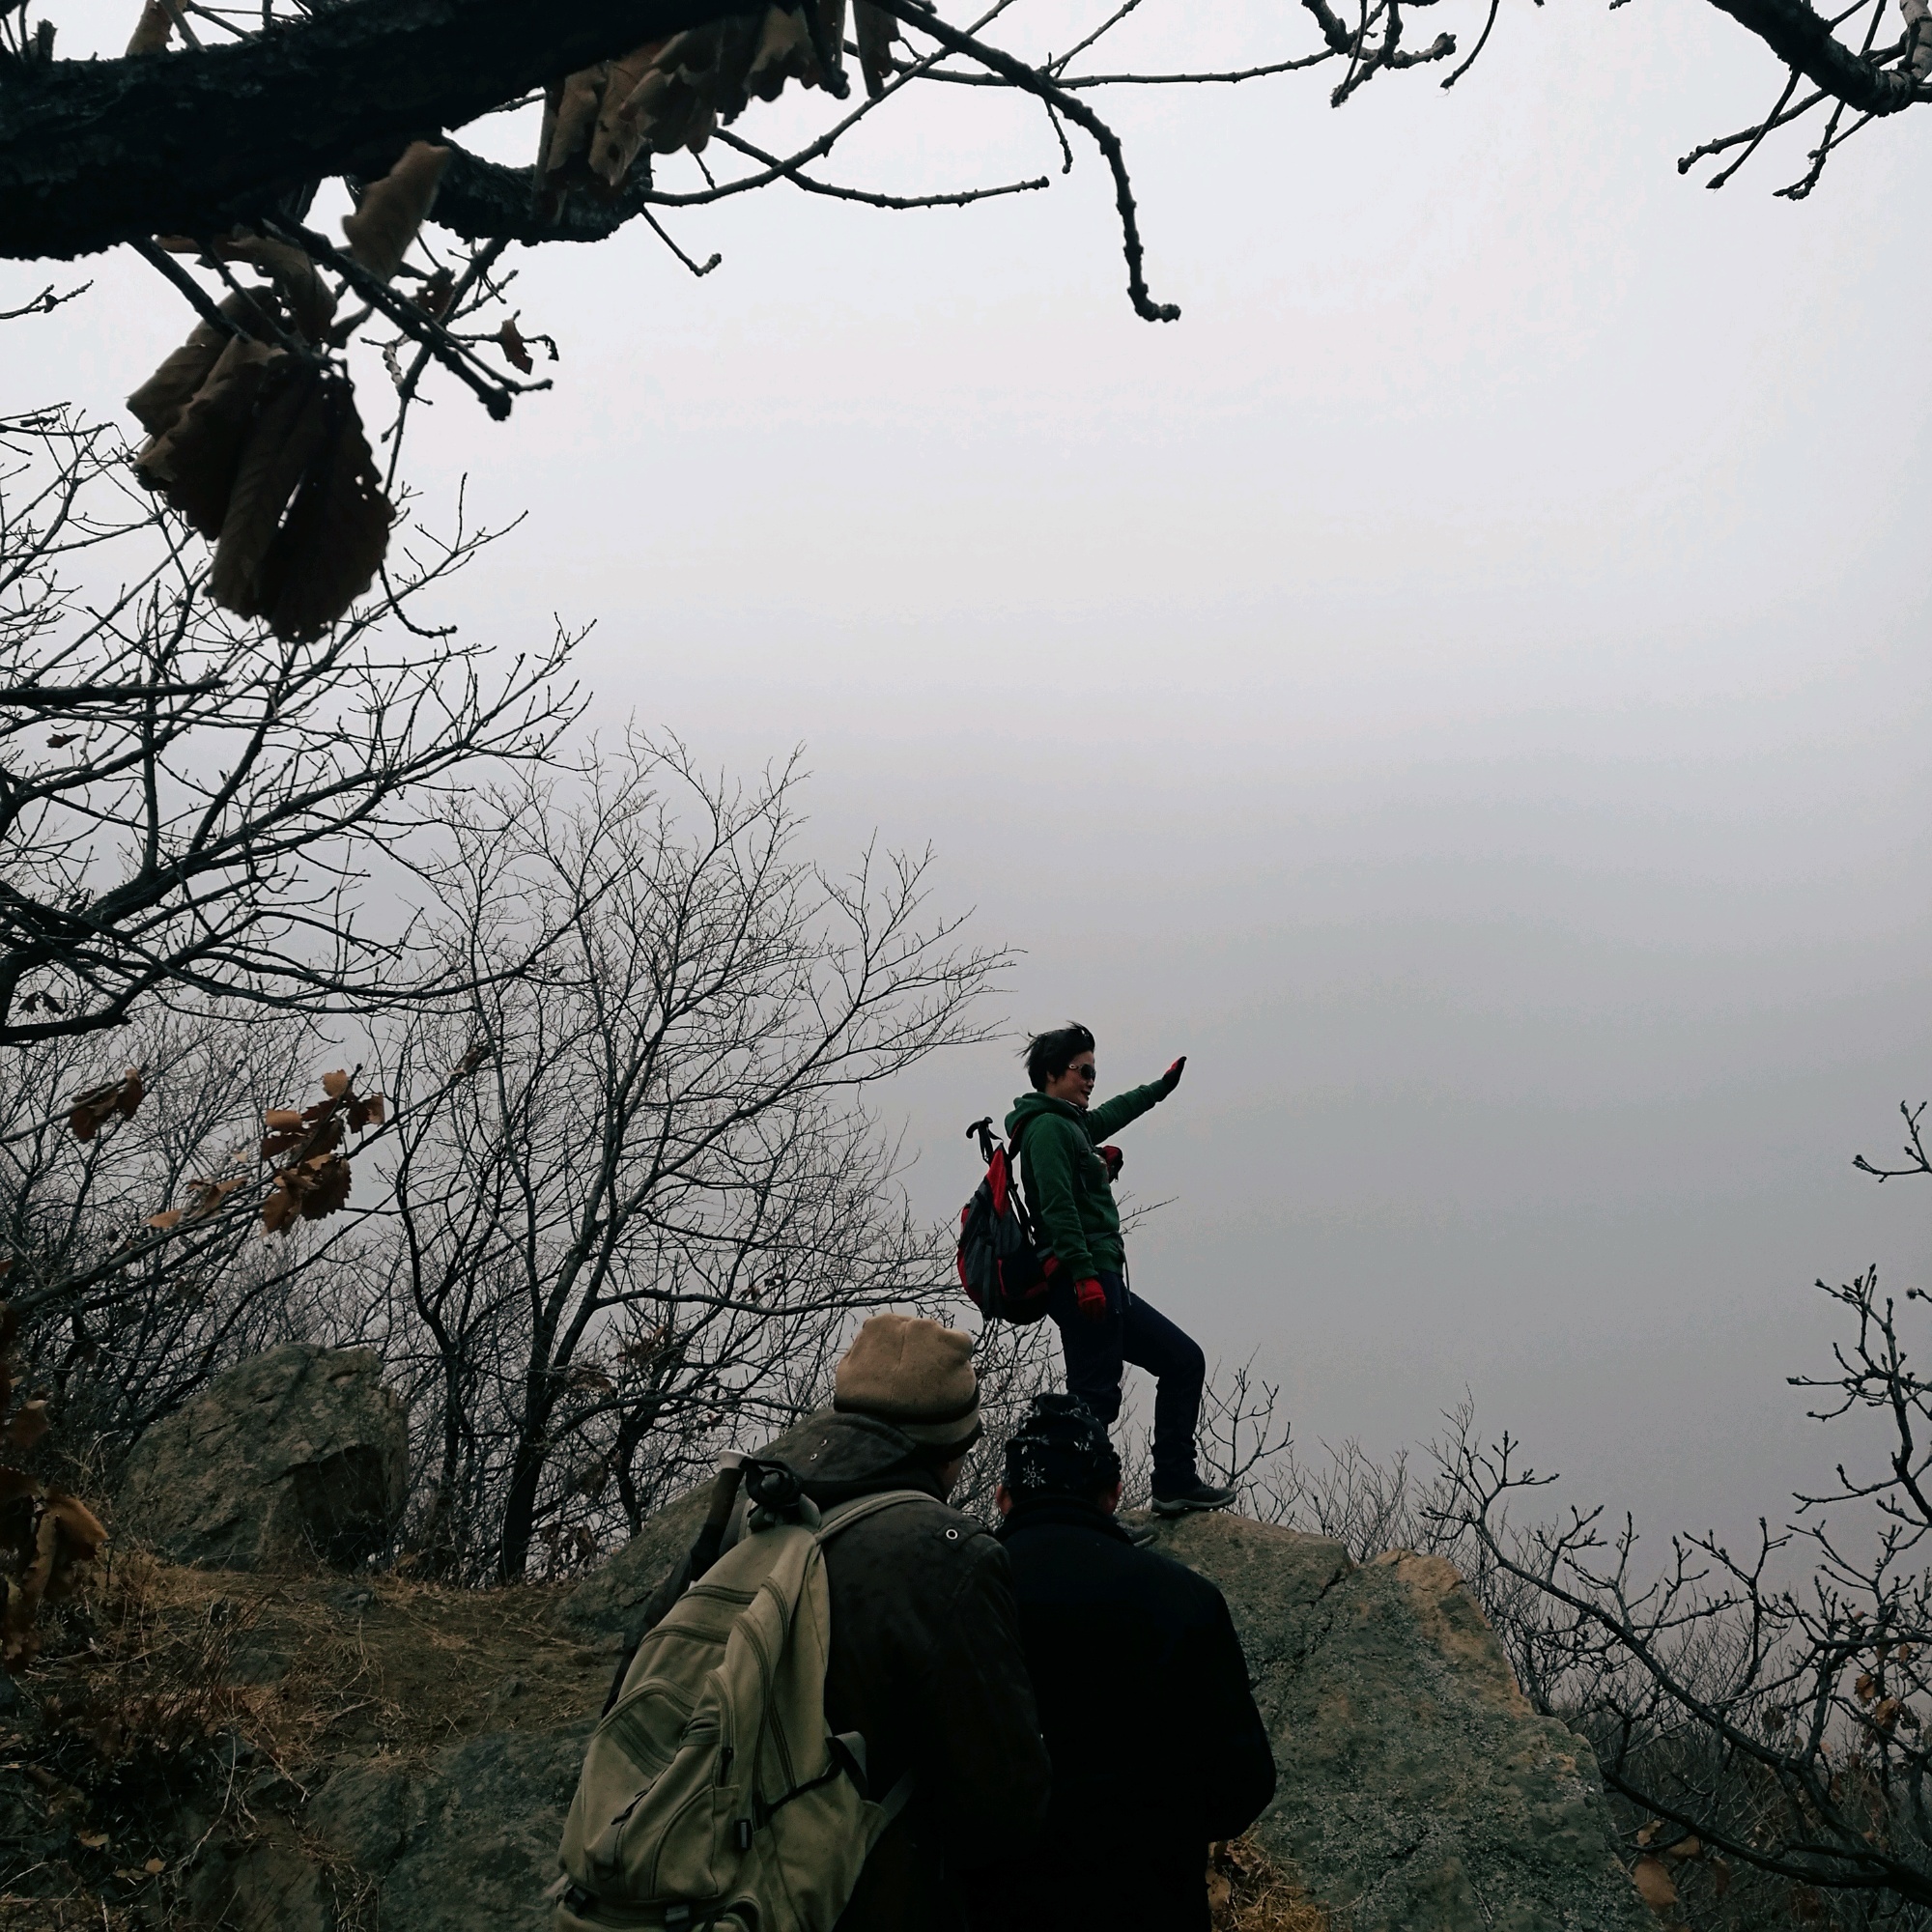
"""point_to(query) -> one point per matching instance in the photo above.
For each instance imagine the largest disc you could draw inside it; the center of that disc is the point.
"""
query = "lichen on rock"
(295, 1457)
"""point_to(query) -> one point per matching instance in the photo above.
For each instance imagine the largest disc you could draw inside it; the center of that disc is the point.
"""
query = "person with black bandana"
(1143, 1695)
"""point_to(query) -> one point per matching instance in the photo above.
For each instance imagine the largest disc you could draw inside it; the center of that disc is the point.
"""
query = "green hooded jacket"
(1065, 1179)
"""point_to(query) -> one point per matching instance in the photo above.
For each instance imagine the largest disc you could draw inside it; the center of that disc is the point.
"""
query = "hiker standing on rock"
(1068, 1176)
(1142, 1692)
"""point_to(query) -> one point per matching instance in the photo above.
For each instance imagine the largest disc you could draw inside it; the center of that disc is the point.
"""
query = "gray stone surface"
(1417, 1787)
(482, 1835)
(608, 1599)
(295, 1457)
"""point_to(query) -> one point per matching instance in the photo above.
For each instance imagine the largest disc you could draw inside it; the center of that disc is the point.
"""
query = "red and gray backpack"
(1000, 1261)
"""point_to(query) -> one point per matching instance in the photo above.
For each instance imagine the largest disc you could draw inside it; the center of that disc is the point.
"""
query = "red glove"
(1113, 1158)
(1171, 1079)
(1090, 1298)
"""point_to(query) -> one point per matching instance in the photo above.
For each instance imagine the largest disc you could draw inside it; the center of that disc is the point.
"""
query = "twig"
(1032, 81)
(658, 229)
(959, 198)
(43, 303)
(198, 297)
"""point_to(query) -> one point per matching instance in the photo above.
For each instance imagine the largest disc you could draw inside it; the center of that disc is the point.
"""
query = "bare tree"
(1767, 1706)
(640, 1226)
(190, 807)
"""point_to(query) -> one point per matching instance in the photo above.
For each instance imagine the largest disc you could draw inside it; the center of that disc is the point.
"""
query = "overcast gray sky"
(1465, 684)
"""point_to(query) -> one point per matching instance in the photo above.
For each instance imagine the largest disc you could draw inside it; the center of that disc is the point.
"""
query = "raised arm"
(1111, 1116)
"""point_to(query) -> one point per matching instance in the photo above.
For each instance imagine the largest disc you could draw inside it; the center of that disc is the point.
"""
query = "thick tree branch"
(96, 153)
(1802, 39)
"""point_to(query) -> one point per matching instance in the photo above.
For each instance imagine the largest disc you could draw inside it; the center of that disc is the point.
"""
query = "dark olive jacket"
(926, 1665)
(1158, 1748)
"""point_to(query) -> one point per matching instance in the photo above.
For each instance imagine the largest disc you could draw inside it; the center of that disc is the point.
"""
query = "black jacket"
(925, 1663)
(1158, 1748)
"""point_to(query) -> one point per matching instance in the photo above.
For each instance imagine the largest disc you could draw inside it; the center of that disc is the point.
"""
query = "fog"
(1464, 684)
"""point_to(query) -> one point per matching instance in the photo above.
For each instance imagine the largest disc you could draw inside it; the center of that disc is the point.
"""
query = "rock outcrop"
(1416, 1786)
(295, 1457)
(1418, 1792)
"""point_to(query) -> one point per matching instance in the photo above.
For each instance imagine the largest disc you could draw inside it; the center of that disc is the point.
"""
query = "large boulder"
(1416, 1787)
(292, 1458)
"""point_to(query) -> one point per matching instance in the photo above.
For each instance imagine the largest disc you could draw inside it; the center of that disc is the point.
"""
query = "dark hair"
(1048, 1055)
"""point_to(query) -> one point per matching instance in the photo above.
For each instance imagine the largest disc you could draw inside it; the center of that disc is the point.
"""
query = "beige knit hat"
(916, 1375)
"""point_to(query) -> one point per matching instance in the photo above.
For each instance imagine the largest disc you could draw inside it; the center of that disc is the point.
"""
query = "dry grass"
(1251, 1893)
(171, 1706)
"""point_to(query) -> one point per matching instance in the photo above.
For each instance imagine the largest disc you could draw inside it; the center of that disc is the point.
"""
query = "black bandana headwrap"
(1061, 1449)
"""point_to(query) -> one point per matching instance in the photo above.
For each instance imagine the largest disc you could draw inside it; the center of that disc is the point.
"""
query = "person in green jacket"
(1068, 1174)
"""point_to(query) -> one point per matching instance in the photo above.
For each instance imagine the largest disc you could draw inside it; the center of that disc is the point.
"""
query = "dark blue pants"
(1133, 1332)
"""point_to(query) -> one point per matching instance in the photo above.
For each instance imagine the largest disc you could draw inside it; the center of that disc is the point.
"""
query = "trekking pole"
(703, 1554)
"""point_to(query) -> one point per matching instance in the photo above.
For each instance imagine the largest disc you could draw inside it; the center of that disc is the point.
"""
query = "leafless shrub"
(1767, 1706)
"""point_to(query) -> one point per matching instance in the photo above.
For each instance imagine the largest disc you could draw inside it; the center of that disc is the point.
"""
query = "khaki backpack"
(712, 1797)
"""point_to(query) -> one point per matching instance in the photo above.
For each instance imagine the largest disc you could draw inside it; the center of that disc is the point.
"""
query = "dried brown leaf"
(784, 53)
(1867, 1687)
(153, 29)
(392, 210)
(285, 439)
(284, 1202)
(1691, 1847)
(306, 1136)
(569, 128)
(1652, 1883)
(509, 338)
(309, 299)
(328, 1190)
(434, 297)
(158, 402)
(205, 1196)
(168, 1217)
(876, 33)
(26, 1426)
(335, 1084)
(369, 1111)
(91, 1111)
(193, 464)
(336, 534)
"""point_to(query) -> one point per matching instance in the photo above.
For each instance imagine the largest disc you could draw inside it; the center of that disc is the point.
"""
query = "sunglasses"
(1084, 1069)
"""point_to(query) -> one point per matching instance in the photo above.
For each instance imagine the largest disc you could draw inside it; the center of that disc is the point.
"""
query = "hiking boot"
(1198, 1496)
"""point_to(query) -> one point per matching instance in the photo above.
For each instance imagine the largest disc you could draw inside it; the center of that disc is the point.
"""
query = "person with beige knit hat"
(926, 1660)
(915, 1374)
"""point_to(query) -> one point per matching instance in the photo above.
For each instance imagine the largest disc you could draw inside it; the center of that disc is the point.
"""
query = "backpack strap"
(845, 1514)
(830, 1524)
